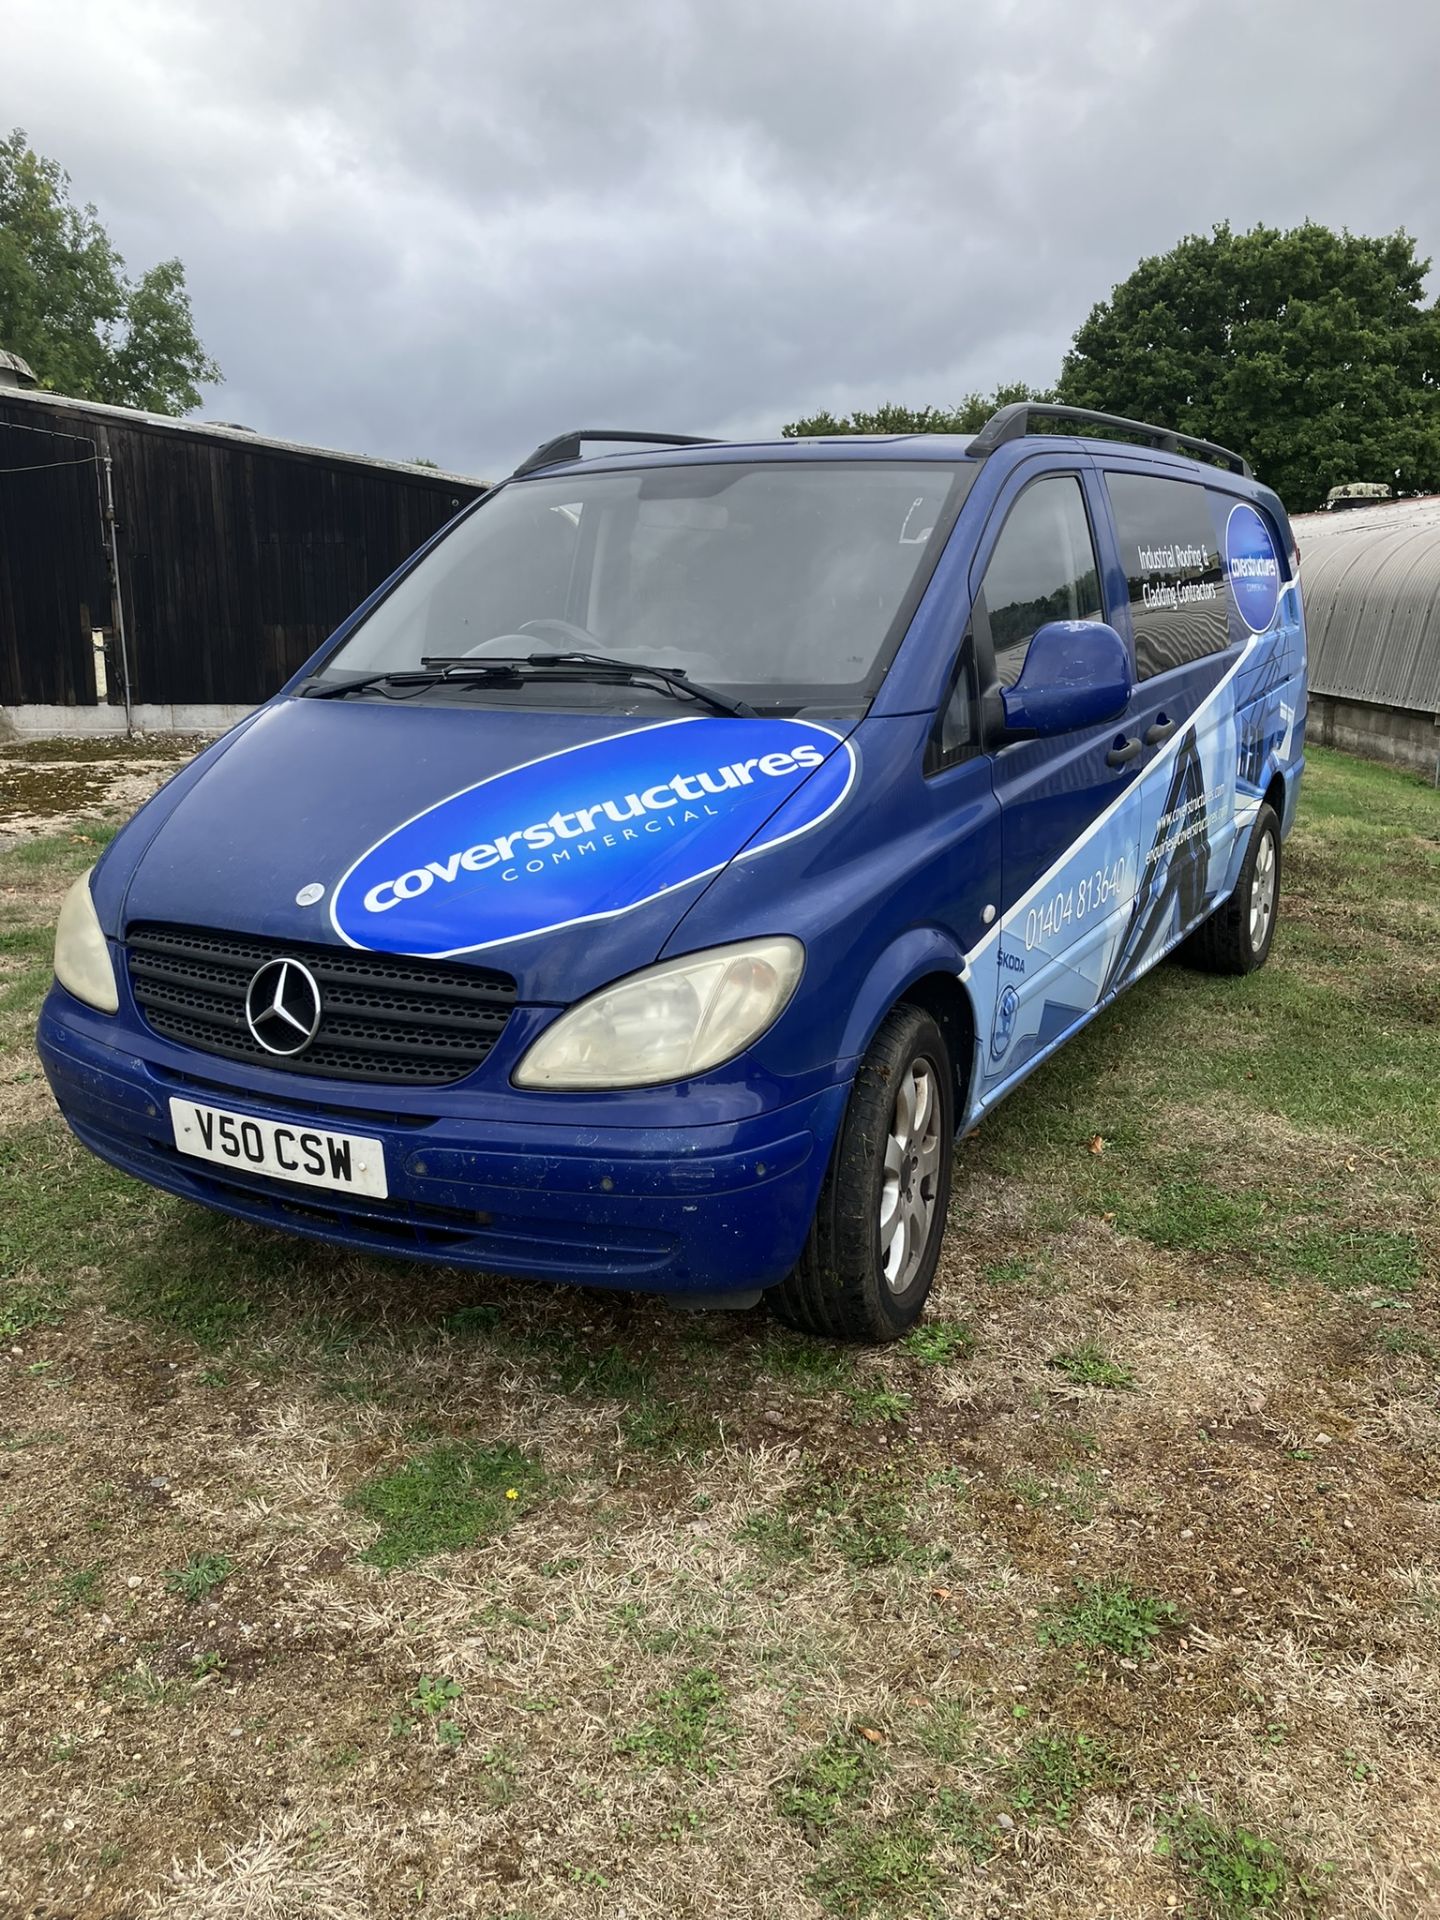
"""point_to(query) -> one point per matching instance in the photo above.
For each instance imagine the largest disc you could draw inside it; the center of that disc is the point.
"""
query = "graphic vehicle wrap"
(1165, 852)
(588, 833)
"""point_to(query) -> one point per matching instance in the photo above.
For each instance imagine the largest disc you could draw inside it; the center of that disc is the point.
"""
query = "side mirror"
(1077, 673)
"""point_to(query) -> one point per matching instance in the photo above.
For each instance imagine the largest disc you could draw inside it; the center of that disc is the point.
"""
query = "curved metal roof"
(1371, 581)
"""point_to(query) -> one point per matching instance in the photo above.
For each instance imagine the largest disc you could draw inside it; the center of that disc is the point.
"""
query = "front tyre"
(867, 1266)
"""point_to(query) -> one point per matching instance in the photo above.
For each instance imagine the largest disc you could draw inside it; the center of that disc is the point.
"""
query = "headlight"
(82, 957)
(669, 1022)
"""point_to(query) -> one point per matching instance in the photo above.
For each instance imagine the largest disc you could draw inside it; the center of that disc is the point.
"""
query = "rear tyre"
(866, 1269)
(1237, 936)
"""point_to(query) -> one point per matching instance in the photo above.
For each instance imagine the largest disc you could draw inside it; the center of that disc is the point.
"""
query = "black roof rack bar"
(1010, 423)
(567, 445)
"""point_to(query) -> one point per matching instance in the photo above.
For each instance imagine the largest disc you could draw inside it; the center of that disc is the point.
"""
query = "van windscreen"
(790, 582)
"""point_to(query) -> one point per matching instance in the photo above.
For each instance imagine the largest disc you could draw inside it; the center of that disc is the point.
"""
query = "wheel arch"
(1276, 793)
(922, 969)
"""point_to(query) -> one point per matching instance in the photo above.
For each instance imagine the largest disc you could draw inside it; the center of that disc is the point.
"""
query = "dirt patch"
(47, 784)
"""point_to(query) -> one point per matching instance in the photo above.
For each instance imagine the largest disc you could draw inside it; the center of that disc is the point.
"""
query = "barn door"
(54, 583)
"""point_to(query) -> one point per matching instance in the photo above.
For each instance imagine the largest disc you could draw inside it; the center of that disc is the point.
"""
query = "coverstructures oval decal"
(1253, 566)
(590, 832)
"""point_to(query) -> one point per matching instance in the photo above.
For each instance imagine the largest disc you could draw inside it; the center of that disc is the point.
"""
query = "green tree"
(971, 414)
(68, 307)
(1311, 352)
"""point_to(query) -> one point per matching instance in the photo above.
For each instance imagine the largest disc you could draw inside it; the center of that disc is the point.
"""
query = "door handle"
(1124, 751)
(1161, 730)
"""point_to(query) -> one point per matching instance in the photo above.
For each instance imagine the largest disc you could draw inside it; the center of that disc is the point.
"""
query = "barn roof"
(1371, 580)
(41, 397)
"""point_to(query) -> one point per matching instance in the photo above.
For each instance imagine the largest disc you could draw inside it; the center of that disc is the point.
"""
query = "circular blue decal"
(1253, 566)
(590, 832)
(1003, 1025)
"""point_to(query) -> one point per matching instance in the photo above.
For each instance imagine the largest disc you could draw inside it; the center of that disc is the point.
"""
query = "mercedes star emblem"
(282, 1006)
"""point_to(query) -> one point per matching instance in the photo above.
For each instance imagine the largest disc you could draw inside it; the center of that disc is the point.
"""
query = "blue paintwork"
(1077, 673)
(890, 868)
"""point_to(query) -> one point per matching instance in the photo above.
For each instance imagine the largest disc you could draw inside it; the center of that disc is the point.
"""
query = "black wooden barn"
(234, 555)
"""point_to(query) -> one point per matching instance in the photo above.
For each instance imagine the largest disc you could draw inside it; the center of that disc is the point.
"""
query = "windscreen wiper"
(502, 673)
(604, 667)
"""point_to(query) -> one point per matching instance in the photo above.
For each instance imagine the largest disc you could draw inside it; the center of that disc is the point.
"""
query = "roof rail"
(567, 445)
(1010, 423)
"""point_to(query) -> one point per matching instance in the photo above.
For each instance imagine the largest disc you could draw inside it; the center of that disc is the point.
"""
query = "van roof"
(1008, 424)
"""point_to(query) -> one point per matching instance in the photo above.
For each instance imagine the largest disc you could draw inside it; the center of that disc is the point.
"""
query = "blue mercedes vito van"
(647, 883)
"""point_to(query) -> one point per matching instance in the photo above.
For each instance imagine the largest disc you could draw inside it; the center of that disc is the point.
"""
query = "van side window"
(1043, 568)
(1171, 558)
(956, 733)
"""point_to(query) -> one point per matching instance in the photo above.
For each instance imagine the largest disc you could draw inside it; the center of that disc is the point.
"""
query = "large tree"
(1313, 353)
(971, 414)
(69, 308)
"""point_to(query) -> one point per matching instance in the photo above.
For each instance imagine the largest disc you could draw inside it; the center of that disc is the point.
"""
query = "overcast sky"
(456, 229)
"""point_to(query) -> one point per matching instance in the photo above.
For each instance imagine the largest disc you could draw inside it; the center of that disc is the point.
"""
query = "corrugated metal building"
(1371, 578)
(178, 569)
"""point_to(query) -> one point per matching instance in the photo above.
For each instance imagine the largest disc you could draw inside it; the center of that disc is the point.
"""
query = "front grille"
(383, 1018)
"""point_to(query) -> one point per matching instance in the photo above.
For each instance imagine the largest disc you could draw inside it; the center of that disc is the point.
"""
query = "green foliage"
(68, 307)
(1309, 351)
(809, 1366)
(937, 1342)
(23, 1308)
(450, 1496)
(1087, 1366)
(779, 1536)
(1388, 1260)
(1239, 1873)
(876, 1405)
(201, 1574)
(82, 1587)
(947, 1732)
(968, 417)
(1109, 1614)
(433, 1697)
(1053, 1772)
(866, 1519)
(690, 1726)
(830, 1779)
(895, 1867)
(883, 1870)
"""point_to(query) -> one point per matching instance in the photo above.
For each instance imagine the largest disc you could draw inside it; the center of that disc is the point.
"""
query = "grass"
(940, 1343)
(1087, 1366)
(1109, 1616)
(1234, 1872)
(1050, 1607)
(1053, 1773)
(830, 1781)
(446, 1497)
(201, 1574)
(689, 1727)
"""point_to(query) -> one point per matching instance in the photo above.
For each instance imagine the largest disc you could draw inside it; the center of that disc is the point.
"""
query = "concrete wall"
(55, 723)
(1379, 733)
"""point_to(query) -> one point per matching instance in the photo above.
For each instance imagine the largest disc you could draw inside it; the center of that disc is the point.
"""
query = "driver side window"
(1043, 568)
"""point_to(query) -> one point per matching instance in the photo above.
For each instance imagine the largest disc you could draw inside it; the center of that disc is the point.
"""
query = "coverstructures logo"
(1253, 566)
(590, 832)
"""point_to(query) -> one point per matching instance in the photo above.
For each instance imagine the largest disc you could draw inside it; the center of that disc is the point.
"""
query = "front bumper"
(712, 1209)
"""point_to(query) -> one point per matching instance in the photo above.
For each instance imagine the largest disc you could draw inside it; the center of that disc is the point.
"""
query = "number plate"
(285, 1150)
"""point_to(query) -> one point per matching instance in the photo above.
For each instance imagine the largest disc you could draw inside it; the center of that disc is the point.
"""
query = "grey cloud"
(455, 229)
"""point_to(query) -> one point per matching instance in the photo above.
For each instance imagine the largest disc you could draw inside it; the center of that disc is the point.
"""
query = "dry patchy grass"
(1115, 1591)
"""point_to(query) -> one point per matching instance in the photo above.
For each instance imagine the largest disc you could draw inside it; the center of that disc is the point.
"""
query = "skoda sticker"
(588, 833)
(1253, 566)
